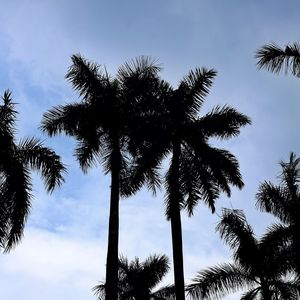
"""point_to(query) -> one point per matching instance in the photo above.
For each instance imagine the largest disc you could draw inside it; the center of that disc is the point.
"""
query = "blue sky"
(62, 255)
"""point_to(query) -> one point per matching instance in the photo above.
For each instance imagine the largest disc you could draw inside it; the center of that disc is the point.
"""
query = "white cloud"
(48, 261)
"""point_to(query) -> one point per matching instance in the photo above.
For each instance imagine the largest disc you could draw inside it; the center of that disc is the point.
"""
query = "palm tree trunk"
(111, 286)
(176, 224)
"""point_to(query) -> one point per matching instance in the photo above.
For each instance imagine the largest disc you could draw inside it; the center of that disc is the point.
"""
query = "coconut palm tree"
(276, 59)
(138, 279)
(256, 268)
(102, 124)
(16, 162)
(198, 171)
(283, 201)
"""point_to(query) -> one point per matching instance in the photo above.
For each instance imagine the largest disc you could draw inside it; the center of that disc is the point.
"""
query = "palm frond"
(89, 150)
(277, 235)
(7, 117)
(218, 281)
(141, 68)
(222, 122)
(64, 119)
(250, 295)
(276, 59)
(197, 183)
(87, 78)
(164, 293)
(275, 200)
(19, 182)
(34, 154)
(155, 268)
(143, 169)
(238, 234)
(290, 175)
(99, 291)
(195, 86)
(222, 164)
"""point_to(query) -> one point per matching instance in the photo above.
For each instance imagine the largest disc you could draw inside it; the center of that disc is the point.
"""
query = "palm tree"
(197, 170)
(102, 124)
(276, 59)
(283, 201)
(256, 267)
(16, 162)
(138, 279)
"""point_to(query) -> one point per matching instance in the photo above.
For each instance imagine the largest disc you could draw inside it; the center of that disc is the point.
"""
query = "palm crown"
(283, 201)
(137, 279)
(16, 162)
(256, 267)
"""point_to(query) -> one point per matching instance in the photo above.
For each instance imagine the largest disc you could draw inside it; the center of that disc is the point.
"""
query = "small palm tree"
(256, 267)
(276, 59)
(16, 162)
(283, 201)
(198, 171)
(103, 123)
(138, 279)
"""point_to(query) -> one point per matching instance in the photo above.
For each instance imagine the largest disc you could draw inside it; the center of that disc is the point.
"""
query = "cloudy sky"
(62, 255)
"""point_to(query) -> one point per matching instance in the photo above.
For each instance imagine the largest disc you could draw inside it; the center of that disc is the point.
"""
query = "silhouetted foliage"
(103, 124)
(283, 201)
(257, 268)
(197, 170)
(138, 279)
(276, 59)
(16, 162)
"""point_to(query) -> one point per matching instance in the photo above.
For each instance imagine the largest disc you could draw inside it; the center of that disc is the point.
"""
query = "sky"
(63, 252)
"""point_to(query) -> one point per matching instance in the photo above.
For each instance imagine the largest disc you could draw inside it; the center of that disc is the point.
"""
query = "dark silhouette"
(138, 279)
(256, 267)
(276, 59)
(103, 124)
(16, 162)
(283, 201)
(197, 170)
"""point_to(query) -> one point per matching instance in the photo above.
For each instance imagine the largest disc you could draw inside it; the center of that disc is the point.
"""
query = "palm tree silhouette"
(16, 162)
(276, 59)
(256, 267)
(138, 279)
(197, 170)
(283, 201)
(102, 124)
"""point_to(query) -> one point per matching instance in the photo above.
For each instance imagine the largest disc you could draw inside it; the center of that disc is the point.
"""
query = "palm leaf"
(164, 293)
(36, 156)
(275, 59)
(238, 234)
(195, 86)
(218, 281)
(222, 122)
(274, 199)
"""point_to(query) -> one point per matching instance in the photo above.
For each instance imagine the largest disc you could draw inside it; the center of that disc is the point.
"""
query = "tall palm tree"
(138, 279)
(276, 59)
(198, 171)
(102, 124)
(255, 268)
(283, 201)
(16, 162)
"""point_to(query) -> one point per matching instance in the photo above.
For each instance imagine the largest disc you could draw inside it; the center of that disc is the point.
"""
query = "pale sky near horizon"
(62, 255)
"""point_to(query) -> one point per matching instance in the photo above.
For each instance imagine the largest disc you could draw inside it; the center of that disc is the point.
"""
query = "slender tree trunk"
(176, 224)
(111, 286)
